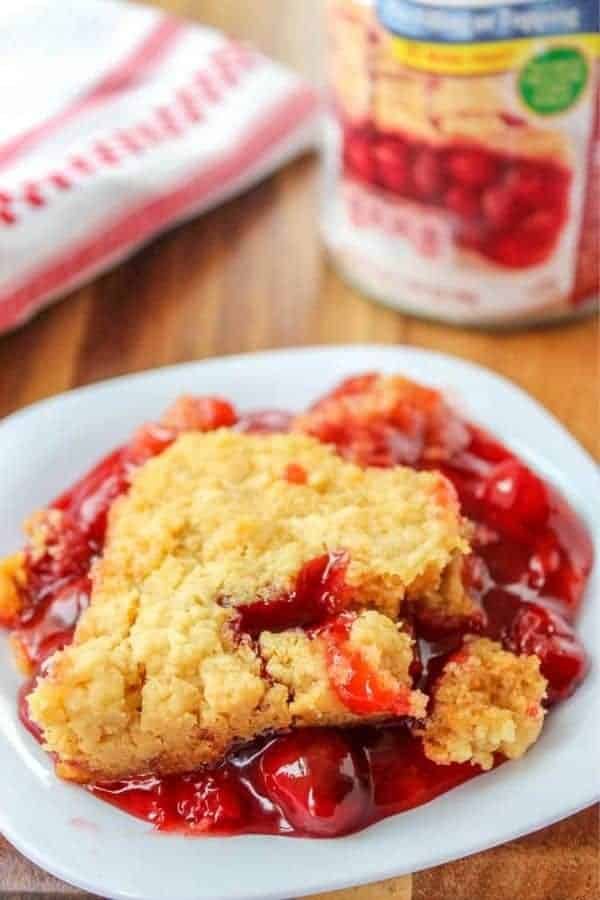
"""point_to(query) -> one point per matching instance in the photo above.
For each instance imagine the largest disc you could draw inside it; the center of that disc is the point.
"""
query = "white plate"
(92, 845)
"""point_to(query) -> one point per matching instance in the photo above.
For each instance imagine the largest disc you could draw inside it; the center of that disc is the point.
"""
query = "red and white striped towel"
(115, 123)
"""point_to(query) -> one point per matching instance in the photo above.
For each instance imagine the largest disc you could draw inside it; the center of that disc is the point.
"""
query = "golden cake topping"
(158, 678)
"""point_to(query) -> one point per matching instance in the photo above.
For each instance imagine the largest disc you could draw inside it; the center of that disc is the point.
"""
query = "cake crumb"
(486, 701)
(12, 582)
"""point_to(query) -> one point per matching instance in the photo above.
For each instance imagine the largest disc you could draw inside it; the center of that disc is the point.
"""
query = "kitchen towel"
(116, 122)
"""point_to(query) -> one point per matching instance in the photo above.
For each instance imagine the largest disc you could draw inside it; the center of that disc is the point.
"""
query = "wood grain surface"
(253, 275)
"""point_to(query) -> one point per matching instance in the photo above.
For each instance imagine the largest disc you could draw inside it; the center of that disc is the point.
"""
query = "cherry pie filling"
(508, 208)
(531, 557)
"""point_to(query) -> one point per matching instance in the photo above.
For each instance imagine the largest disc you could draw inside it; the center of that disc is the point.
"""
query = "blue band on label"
(464, 24)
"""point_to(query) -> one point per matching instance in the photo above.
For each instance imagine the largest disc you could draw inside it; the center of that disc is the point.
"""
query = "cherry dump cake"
(268, 623)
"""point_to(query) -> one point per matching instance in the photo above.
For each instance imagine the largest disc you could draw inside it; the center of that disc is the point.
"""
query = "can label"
(466, 163)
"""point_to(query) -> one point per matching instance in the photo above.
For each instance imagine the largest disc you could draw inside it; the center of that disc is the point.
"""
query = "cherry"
(357, 684)
(501, 605)
(75, 535)
(507, 561)
(322, 582)
(148, 441)
(546, 561)
(318, 781)
(318, 593)
(538, 186)
(501, 207)
(391, 158)
(67, 556)
(358, 155)
(352, 386)
(427, 174)
(190, 413)
(463, 201)
(403, 777)
(295, 474)
(569, 540)
(53, 625)
(88, 501)
(538, 628)
(210, 801)
(516, 499)
(528, 244)
(92, 512)
(483, 446)
(540, 229)
(475, 168)
(268, 421)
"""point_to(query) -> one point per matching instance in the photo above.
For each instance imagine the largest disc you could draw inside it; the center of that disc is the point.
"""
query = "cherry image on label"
(531, 557)
(509, 209)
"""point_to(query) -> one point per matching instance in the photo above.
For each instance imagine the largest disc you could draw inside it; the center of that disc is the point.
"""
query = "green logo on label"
(553, 81)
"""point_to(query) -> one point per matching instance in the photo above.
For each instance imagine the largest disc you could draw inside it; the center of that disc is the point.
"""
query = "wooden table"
(252, 275)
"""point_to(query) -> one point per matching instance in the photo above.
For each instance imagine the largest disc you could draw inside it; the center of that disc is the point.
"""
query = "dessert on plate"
(296, 624)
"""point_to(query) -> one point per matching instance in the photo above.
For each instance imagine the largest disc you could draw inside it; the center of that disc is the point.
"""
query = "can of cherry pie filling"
(463, 156)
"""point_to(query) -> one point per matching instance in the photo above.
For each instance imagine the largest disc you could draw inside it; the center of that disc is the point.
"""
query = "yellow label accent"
(487, 57)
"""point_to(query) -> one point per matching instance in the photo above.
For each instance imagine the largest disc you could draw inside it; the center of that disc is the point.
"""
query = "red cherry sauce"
(318, 593)
(531, 558)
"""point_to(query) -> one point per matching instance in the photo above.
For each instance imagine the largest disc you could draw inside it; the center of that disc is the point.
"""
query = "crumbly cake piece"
(451, 602)
(486, 701)
(45, 535)
(155, 679)
(43, 530)
(381, 419)
(12, 580)
(300, 662)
